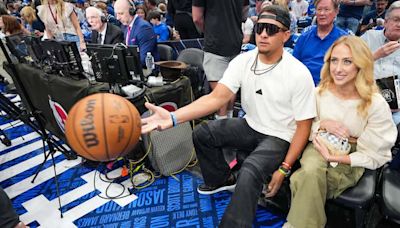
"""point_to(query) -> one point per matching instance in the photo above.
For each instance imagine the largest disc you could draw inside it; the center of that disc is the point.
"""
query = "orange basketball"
(103, 127)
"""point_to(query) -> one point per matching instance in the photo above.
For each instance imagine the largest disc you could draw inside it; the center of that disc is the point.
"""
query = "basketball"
(103, 127)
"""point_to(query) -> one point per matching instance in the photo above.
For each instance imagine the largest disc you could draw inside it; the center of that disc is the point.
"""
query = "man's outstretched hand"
(160, 119)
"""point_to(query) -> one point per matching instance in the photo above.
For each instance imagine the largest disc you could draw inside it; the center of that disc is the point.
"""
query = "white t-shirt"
(275, 100)
(299, 8)
(247, 27)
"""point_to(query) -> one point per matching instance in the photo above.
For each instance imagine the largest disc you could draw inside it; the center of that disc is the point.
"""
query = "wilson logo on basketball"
(88, 127)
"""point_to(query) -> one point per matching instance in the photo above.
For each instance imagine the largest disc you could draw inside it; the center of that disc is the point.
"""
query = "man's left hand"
(275, 184)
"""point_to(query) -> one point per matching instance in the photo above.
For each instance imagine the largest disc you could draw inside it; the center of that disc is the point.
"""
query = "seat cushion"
(361, 194)
(391, 193)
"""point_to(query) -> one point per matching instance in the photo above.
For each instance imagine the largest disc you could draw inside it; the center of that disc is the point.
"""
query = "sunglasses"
(270, 28)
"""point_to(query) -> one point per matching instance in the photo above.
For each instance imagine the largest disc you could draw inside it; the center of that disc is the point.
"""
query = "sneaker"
(229, 185)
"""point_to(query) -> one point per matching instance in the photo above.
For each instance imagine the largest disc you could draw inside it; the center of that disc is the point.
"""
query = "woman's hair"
(362, 58)
(11, 25)
(60, 7)
(102, 6)
(143, 7)
(28, 14)
(282, 3)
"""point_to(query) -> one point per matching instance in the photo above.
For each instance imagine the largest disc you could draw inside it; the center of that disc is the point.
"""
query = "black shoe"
(229, 185)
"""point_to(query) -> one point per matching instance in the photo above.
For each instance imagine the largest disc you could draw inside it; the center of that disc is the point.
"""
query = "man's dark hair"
(152, 2)
(154, 15)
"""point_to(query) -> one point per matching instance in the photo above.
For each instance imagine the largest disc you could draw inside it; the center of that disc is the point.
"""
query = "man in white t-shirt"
(277, 94)
(299, 8)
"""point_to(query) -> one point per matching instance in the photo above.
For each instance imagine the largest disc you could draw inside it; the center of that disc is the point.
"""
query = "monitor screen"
(63, 56)
(115, 63)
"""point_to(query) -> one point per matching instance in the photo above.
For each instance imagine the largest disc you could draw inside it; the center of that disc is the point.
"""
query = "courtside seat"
(166, 52)
(360, 198)
(390, 202)
(194, 58)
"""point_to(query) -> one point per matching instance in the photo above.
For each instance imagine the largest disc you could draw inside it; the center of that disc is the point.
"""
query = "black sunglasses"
(270, 28)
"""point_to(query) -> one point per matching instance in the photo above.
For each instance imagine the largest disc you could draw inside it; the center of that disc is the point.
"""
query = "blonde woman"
(31, 22)
(61, 22)
(349, 106)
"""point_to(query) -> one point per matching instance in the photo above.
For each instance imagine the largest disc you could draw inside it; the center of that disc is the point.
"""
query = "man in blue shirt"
(160, 29)
(311, 46)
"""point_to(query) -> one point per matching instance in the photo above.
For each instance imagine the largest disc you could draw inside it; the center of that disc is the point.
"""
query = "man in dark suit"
(102, 31)
(137, 31)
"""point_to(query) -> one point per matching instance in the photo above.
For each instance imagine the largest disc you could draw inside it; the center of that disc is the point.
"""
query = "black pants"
(264, 155)
(8, 217)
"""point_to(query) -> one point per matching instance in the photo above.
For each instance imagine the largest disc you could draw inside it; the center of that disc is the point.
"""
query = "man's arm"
(162, 119)
(299, 141)
(198, 17)
(386, 50)
(356, 2)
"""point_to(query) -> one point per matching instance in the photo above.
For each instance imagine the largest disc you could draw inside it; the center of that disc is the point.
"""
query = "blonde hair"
(60, 7)
(364, 82)
(28, 14)
(282, 3)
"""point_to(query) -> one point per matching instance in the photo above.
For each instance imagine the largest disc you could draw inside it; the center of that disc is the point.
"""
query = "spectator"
(386, 48)
(11, 26)
(349, 106)
(160, 29)
(299, 8)
(312, 45)
(141, 11)
(151, 5)
(12, 10)
(279, 103)
(222, 40)
(80, 10)
(369, 21)
(32, 23)
(109, 17)
(60, 21)
(350, 14)
(247, 26)
(181, 12)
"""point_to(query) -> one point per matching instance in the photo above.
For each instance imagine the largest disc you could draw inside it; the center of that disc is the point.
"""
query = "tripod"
(39, 125)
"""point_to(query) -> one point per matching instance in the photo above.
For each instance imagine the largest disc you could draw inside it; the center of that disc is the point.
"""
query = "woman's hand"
(82, 46)
(322, 149)
(160, 119)
(336, 128)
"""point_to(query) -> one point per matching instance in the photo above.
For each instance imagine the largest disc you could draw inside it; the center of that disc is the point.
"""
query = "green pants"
(315, 182)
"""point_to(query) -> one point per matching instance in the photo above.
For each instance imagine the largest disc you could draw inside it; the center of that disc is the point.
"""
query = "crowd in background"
(173, 20)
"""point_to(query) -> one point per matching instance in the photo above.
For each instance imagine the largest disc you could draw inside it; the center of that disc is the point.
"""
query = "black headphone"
(132, 9)
(103, 19)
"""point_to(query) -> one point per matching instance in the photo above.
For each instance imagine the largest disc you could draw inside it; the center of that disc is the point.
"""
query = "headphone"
(132, 9)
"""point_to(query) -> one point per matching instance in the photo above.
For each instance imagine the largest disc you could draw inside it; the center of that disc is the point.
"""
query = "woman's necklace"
(262, 71)
(52, 14)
